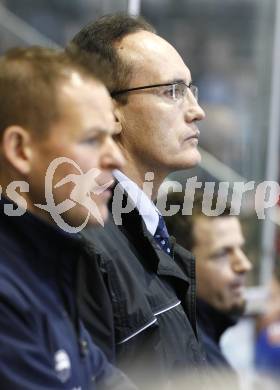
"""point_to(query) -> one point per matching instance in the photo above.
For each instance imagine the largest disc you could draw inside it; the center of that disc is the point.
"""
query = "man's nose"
(240, 262)
(112, 157)
(193, 111)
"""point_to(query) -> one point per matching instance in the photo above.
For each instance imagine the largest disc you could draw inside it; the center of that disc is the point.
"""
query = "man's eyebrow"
(97, 130)
(175, 81)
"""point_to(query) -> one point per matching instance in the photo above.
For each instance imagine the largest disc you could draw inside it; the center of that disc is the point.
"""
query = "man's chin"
(192, 161)
(194, 158)
(237, 309)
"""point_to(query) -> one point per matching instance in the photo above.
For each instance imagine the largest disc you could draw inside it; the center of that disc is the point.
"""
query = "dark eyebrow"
(178, 81)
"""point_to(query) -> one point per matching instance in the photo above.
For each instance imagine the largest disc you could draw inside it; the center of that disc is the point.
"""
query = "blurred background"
(233, 50)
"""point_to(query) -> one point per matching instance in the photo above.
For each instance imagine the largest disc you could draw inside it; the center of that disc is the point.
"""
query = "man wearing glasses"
(150, 281)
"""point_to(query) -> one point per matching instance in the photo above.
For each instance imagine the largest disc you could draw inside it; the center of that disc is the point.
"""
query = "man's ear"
(118, 118)
(17, 150)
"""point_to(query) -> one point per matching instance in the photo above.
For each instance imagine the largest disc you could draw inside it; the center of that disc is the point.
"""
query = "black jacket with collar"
(152, 314)
(212, 325)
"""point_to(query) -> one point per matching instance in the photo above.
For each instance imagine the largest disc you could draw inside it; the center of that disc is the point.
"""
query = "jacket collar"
(159, 261)
(140, 201)
(213, 321)
(44, 237)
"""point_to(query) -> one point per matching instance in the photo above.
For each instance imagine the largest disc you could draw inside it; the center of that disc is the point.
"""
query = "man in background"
(221, 269)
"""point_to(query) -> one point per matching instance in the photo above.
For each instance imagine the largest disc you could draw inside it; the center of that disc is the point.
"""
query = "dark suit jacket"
(152, 315)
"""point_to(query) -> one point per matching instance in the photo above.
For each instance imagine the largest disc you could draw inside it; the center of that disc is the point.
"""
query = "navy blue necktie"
(162, 237)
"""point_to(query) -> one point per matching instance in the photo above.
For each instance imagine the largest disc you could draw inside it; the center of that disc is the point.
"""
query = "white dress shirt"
(142, 202)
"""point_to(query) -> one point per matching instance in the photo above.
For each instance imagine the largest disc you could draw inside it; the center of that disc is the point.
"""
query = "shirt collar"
(142, 202)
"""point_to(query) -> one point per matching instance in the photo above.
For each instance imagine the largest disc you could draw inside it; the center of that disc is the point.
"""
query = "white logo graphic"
(263, 198)
(62, 365)
(85, 184)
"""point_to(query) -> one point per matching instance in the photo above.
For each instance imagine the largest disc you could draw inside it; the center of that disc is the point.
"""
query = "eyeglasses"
(176, 91)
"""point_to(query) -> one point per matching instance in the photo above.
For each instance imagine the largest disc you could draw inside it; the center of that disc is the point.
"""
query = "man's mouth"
(194, 135)
(238, 288)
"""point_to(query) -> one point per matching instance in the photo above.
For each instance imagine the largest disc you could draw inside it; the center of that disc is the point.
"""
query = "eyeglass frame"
(195, 94)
